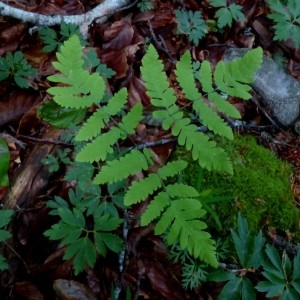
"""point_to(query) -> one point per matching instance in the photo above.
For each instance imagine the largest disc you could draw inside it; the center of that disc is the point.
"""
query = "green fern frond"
(102, 145)
(224, 106)
(131, 120)
(205, 77)
(229, 85)
(233, 77)
(181, 221)
(118, 169)
(171, 169)
(185, 77)
(243, 69)
(181, 190)
(140, 190)
(207, 153)
(156, 80)
(101, 116)
(212, 121)
(91, 128)
(162, 97)
(99, 147)
(81, 89)
(155, 208)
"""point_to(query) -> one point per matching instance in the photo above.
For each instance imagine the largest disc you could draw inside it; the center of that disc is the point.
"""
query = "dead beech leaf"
(137, 92)
(162, 282)
(26, 290)
(117, 61)
(12, 46)
(118, 36)
(16, 105)
(12, 33)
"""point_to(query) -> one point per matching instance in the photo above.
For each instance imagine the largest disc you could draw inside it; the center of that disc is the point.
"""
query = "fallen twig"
(100, 13)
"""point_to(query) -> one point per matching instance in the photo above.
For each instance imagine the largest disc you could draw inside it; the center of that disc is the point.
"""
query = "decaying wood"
(32, 176)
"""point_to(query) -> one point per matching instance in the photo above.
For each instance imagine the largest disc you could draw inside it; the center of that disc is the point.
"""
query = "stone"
(279, 91)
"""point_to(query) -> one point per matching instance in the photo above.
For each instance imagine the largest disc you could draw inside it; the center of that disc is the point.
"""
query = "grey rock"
(280, 92)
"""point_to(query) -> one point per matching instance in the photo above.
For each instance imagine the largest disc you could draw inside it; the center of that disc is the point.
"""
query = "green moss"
(260, 187)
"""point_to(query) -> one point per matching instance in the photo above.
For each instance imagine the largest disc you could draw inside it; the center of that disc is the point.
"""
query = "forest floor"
(34, 262)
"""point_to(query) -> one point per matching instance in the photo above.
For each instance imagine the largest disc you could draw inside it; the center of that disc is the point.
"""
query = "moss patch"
(260, 187)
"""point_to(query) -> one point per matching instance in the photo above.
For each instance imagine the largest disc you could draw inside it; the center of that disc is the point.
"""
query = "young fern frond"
(81, 89)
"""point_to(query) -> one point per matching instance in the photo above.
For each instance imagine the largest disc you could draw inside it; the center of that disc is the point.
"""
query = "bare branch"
(100, 13)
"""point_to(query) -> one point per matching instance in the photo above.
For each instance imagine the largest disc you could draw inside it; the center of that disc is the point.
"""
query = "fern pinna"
(231, 78)
(175, 206)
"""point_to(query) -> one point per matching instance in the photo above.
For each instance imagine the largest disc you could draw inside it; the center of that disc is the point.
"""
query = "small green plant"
(191, 24)
(84, 241)
(286, 16)
(145, 5)
(227, 13)
(283, 276)
(16, 66)
(92, 62)
(53, 162)
(249, 252)
(5, 218)
(176, 207)
(193, 271)
(54, 40)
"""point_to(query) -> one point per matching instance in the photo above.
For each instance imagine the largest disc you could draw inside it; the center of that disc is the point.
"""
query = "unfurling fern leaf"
(81, 89)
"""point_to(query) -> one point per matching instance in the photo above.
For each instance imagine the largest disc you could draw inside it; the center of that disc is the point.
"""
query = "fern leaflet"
(208, 117)
(101, 116)
(82, 88)
(118, 169)
(205, 77)
(162, 96)
(233, 77)
(140, 190)
(99, 147)
(181, 221)
(155, 208)
(103, 144)
(156, 80)
(171, 169)
(131, 119)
